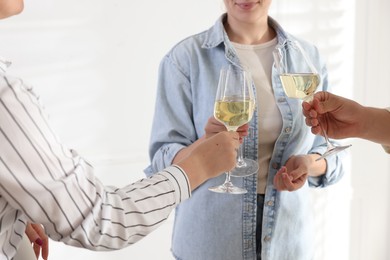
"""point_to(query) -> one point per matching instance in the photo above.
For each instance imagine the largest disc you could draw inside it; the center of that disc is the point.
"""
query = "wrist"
(316, 168)
(193, 166)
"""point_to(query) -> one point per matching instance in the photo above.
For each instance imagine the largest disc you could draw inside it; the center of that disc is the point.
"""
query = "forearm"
(196, 175)
(195, 170)
(377, 125)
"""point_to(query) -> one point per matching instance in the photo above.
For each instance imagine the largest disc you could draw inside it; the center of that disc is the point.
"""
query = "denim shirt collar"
(217, 35)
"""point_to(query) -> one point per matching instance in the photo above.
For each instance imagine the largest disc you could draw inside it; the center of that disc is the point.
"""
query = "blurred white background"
(94, 64)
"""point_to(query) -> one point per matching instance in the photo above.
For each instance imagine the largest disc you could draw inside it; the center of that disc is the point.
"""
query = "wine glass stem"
(328, 143)
(240, 157)
(227, 180)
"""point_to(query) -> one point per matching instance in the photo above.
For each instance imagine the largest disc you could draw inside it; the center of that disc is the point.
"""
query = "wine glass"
(234, 107)
(300, 82)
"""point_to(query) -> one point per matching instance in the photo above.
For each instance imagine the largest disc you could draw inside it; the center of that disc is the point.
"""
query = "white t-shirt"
(258, 59)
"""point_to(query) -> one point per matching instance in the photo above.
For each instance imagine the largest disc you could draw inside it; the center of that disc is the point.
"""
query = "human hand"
(213, 127)
(220, 152)
(213, 156)
(340, 117)
(293, 175)
(39, 240)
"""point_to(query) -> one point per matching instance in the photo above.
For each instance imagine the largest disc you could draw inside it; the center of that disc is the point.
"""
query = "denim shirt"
(218, 226)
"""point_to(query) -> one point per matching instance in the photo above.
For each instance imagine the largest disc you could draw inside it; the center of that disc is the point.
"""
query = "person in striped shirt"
(343, 118)
(43, 181)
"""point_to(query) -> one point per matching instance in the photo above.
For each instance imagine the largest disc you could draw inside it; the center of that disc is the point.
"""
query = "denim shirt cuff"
(331, 165)
(171, 150)
(163, 158)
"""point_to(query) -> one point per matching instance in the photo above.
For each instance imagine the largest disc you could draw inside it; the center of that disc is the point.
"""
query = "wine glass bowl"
(233, 112)
(300, 85)
(297, 81)
(300, 81)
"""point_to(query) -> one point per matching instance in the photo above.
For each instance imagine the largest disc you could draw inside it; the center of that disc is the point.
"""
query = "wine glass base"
(228, 188)
(248, 168)
(333, 151)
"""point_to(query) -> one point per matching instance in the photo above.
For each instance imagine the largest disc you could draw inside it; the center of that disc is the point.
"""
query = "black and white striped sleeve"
(56, 187)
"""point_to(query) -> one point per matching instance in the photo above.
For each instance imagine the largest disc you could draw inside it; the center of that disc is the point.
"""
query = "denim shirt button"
(270, 203)
(287, 130)
(267, 238)
(275, 165)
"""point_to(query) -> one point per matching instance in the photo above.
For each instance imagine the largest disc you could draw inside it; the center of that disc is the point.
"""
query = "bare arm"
(375, 125)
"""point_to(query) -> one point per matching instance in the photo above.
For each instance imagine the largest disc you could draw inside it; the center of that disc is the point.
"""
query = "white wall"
(95, 62)
(370, 166)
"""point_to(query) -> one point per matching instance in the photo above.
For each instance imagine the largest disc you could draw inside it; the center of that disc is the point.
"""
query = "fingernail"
(39, 241)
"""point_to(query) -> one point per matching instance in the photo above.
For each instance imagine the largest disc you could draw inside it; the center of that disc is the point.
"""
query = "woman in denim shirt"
(219, 226)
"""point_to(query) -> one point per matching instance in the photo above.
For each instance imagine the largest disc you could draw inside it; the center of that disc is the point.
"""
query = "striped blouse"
(43, 181)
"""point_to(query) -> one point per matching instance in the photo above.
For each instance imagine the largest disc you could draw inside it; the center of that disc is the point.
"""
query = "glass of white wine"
(300, 81)
(234, 107)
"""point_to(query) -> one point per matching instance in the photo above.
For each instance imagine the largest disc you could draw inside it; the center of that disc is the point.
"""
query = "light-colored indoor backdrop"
(95, 64)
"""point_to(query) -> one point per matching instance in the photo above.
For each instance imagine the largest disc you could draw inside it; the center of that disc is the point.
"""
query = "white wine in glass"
(300, 83)
(234, 113)
(234, 106)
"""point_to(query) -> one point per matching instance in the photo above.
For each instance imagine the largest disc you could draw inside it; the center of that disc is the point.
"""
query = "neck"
(249, 33)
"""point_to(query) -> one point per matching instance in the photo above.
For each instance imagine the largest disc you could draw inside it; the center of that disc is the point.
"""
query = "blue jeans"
(259, 221)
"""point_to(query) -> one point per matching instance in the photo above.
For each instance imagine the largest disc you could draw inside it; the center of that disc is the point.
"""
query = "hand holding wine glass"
(300, 82)
(339, 116)
(213, 127)
(345, 118)
(234, 107)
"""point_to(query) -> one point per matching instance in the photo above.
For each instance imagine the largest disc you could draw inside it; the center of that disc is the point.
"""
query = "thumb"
(323, 103)
(321, 106)
(297, 173)
(32, 235)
